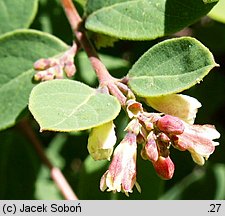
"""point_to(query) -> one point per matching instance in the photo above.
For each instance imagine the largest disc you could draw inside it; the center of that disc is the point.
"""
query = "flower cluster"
(55, 67)
(157, 133)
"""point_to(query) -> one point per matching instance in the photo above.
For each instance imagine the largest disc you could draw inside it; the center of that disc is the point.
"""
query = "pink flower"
(121, 175)
(198, 140)
(164, 167)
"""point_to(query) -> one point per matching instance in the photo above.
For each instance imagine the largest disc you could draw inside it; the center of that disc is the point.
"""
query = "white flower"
(101, 141)
(182, 106)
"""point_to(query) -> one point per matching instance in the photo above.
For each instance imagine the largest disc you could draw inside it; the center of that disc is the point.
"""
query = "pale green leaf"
(66, 105)
(45, 187)
(209, 1)
(143, 19)
(16, 14)
(170, 67)
(18, 51)
(194, 185)
(175, 192)
(218, 12)
(92, 171)
(219, 172)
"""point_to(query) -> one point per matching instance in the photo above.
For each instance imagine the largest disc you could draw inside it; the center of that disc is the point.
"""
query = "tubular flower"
(121, 175)
(101, 141)
(179, 105)
(198, 140)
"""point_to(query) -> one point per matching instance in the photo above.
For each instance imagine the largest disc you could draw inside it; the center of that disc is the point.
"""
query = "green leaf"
(143, 19)
(209, 1)
(175, 192)
(46, 188)
(170, 67)
(66, 105)
(194, 185)
(218, 12)
(18, 166)
(16, 14)
(92, 171)
(18, 51)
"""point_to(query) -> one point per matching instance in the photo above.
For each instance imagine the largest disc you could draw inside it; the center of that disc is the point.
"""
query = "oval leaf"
(144, 19)
(218, 12)
(18, 51)
(66, 105)
(170, 67)
(16, 14)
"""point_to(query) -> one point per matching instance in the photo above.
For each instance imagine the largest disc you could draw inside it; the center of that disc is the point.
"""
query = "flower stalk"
(156, 132)
(104, 77)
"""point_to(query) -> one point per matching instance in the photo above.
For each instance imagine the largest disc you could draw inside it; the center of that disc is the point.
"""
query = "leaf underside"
(66, 105)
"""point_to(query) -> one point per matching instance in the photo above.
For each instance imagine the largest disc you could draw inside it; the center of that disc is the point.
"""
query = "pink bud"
(42, 64)
(164, 167)
(163, 137)
(170, 125)
(150, 149)
(70, 69)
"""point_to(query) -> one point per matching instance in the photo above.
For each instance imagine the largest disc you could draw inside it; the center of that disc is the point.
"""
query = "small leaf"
(66, 105)
(209, 1)
(170, 67)
(18, 51)
(16, 14)
(218, 12)
(143, 19)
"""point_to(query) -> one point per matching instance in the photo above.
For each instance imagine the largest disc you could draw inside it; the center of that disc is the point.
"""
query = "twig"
(104, 77)
(56, 174)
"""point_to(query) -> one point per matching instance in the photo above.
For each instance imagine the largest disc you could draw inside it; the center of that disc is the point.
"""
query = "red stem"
(56, 174)
(104, 77)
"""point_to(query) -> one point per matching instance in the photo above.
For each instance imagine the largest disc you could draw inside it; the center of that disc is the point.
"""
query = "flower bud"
(42, 64)
(150, 150)
(170, 125)
(70, 69)
(133, 127)
(164, 167)
(101, 141)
